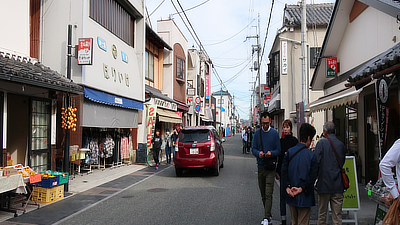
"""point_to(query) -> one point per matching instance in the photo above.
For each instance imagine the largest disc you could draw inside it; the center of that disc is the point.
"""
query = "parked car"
(199, 147)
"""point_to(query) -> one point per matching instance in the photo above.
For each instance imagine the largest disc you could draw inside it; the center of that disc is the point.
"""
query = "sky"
(223, 27)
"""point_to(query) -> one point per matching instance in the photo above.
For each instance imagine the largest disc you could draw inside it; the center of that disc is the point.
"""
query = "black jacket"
(286, 142)
(157, 142)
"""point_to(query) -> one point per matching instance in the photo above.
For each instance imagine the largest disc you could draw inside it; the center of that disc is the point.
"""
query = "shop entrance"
(28, 128)
(2, 158)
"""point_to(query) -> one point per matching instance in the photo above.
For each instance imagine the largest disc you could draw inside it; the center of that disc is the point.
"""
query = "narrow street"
(162, 198)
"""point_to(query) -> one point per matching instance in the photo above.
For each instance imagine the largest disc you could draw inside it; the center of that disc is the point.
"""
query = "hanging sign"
(207, 86)
(382, 88)
(85, 51)
(331, 67)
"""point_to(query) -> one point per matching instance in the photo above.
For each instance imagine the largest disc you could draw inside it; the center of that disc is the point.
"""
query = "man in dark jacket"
(299, 172)
(157, 142)
(266, 148)
(329, 185)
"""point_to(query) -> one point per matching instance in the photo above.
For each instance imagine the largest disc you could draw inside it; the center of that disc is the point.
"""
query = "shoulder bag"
(269, 162)
(345, 178)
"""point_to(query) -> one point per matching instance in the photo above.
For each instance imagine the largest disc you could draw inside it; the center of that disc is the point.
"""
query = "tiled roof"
(381, 62)
(22, 70)
(318, 14)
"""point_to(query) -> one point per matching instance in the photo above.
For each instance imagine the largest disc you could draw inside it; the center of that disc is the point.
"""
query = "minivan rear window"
(194, 136)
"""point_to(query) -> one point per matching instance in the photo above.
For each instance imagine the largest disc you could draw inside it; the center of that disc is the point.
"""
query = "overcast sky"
(222, 27)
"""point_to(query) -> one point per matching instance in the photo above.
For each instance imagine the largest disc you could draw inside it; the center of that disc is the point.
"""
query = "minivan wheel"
(178, 172)
(216, 170)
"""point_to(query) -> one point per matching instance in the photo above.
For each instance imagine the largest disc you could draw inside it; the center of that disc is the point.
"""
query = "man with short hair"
(299, 171)
(244, 139)
(329, 184)
(266, 148)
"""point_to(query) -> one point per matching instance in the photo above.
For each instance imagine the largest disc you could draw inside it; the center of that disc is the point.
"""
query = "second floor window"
(314, 54)
(180, 68)
(149, 66)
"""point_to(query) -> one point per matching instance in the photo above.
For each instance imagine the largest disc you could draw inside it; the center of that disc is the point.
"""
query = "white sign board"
(284, 57)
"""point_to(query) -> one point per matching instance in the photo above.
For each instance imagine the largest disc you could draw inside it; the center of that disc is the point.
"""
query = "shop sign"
(150, 124)
(102, 44)
(191, 91)
(85, 51)
(284, 57)
(115, 75)
(190, 99)
(331, 67)
(351, 199)
(383, 110)
(124, 57)
(266, 90)
(207, 86)
(165, 104)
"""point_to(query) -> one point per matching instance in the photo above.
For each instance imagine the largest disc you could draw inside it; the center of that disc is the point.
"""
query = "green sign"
(331, 67)
(351, 199)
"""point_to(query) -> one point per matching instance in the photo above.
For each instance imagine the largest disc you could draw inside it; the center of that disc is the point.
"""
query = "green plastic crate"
(62, 177)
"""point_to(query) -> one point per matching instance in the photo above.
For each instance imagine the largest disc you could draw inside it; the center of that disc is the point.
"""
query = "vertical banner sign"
(351, 199)
(284, 57)
(383, 111)
(299, 115)
(331, 67)
(150, 122)
(85, 51)
(207, 86)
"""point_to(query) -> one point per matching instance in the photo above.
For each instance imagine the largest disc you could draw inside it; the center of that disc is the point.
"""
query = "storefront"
(28, 102)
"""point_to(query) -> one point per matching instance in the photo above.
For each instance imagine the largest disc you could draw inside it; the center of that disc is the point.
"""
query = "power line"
(232, 36)
(266, 32)
(157, 7)
(190, 8)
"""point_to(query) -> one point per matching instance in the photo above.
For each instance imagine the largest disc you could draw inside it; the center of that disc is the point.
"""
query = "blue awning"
(109, 99)
(223, 109)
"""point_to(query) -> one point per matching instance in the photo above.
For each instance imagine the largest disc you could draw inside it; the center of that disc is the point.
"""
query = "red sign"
(198, 100)
(85, 53)
(331, 67)
(207, 86)
(190, 99)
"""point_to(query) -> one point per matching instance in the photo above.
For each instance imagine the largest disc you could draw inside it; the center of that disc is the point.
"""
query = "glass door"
(40, 135)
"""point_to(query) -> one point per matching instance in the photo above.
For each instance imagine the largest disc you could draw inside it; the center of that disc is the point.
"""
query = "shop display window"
(40, 135)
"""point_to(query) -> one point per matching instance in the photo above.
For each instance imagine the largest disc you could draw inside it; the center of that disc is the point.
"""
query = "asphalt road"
(196, 198)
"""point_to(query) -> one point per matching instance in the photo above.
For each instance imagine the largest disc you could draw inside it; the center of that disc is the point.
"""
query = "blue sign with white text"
(124, 57)
(102, 44)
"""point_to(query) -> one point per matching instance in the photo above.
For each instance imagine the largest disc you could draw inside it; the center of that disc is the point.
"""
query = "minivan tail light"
(176, 145)
(212, 148)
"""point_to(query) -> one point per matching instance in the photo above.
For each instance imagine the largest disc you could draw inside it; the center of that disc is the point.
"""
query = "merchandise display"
(379, 193)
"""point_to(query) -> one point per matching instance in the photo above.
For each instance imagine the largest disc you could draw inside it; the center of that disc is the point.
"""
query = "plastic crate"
(62, 177)
(47, 182)
(48, 195)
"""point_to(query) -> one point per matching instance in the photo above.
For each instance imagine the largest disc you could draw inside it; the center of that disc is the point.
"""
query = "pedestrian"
(287, 141)
(299, 172)
(249, 134)
(157, 142)
(168, 146)
(266, 148)
(174, 137)
(329, 184)
(244, 140)
(390, 160)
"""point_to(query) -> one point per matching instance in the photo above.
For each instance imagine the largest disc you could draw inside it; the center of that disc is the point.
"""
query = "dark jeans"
(156, 153)
(282, 199)
(168, 153)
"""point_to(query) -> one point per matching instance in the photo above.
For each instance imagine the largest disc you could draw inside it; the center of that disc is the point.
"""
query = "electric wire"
(266, 32)
(191, 7)
(157, 7)
(231, 36)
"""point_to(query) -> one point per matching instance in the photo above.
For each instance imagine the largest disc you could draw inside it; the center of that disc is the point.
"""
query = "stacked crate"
(51, 188)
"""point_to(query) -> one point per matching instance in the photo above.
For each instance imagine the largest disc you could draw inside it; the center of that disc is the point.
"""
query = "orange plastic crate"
(48, 195)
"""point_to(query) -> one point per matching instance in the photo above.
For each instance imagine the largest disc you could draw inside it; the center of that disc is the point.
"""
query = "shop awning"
(110, 99)
(208, 117)
(168, 116)
(343, 97)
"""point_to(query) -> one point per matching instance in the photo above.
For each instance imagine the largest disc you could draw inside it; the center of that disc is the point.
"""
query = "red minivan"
(199, 147)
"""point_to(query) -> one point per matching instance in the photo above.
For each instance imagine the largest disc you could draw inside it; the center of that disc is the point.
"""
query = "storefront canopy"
(168, 116)
(109, 99)
(208, 117)
(23, 70)
(343, 97)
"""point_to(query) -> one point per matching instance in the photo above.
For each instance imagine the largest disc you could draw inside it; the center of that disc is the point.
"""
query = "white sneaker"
(264, 222)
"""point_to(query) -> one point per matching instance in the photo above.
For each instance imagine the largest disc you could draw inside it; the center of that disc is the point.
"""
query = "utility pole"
(220, 111)
(304, 52)
(67, 131)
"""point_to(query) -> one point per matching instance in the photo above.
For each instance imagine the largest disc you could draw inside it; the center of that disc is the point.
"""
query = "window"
(314, 54)
(202, 88)
(114, 18)
(194, 136)
(149, 66)
(220, 101)
(40, 127)
(180, 68)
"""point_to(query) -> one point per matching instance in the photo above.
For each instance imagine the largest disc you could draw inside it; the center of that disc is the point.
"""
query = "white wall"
(14, 27)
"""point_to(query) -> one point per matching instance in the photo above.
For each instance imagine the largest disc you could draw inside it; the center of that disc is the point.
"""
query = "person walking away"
(244, 139)
(299, 172)
(287, 141)
(174, 137)
(157, 142)
(168, 146)
(249, 139)
(329, 184)
(266, 148)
